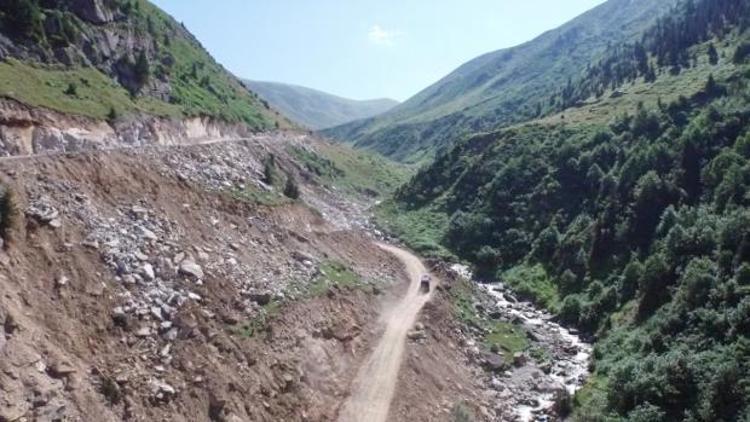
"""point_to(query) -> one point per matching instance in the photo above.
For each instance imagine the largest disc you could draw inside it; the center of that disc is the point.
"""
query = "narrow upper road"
(375, 384)
(20, 157)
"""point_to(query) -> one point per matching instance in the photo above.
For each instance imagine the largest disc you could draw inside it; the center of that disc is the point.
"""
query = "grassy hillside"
(315, 109)
(108, 59)
(350, 171)
(500, 87)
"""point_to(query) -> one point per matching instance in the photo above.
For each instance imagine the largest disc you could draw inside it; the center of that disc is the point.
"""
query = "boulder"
(416, 335)
(143, 332)
(148, 234)
(162, 391)
(189, 268)
(493, 362)
(148, 272)
(519, 359)
(302, 256)
(61, 281)
(60, 369)
(261, 299)
(43, 213)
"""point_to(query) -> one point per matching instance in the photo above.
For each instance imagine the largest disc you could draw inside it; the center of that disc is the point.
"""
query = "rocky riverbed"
(546, 375)
(541, 384)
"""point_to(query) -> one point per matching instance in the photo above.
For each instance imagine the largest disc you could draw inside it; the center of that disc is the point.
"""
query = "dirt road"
(376, 380)
(121, 148)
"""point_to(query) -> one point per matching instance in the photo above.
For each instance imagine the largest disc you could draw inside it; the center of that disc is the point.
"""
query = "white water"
(575, 370)
(568, 371)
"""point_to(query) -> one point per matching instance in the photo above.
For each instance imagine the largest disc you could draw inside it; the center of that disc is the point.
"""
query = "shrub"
(72, 90)
(646, 413)
(291, 189)
(654, 285)
(142, 70)
(631, 276)
(570, 311)
(461, 413)
(8, 213)
(112, 115)
(696, 283)
(269, 170)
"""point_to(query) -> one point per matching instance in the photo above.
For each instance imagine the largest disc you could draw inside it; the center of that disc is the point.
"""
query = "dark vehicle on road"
(424, 283)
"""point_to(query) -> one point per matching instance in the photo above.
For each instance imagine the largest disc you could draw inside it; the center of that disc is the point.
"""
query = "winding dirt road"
(375, 384)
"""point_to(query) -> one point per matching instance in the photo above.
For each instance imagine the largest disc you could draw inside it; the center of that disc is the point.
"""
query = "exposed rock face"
(93, 11)
(25, 131)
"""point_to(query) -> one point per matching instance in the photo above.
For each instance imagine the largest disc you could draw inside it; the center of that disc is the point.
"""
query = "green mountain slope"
(316, 109)
(114, 58)
(499, 87)
(627, 216)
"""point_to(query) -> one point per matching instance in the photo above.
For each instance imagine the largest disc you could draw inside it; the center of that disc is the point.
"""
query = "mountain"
(625, 215)
(501, 87)
(110, 59)
(316, 109)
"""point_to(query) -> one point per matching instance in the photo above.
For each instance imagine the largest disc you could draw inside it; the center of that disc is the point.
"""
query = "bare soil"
(66, 354)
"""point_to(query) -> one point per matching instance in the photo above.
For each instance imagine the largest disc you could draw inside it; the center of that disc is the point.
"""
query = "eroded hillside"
(187, 283)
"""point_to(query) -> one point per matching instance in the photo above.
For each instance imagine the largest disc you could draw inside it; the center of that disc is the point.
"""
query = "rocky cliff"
(117, 60)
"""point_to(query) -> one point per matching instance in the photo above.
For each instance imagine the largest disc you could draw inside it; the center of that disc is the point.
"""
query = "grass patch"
(589, 401)
(421, 229)
(261, 197)
(463, 304)
(260, 323)
(333, 273)
(533, 283)
(95, 93)
(506, 338)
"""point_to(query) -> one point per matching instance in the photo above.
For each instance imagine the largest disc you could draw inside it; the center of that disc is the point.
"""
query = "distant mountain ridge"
(317, 109)
(500, 87)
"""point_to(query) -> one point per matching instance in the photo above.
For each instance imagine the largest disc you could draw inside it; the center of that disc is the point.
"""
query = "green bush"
(142, 70)
(8, 214)
(269, 170)
(72, 90)
(291, 189)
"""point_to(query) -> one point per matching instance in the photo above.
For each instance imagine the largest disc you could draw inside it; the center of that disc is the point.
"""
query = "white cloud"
(381, 36)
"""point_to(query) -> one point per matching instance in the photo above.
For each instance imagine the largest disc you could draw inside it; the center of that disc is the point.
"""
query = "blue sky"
(363, 49)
